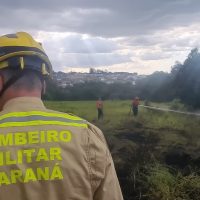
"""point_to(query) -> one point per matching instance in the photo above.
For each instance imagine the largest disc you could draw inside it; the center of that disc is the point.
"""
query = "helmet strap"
(43, 87)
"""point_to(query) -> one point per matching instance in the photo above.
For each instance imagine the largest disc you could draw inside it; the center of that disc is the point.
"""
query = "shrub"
(177, 105)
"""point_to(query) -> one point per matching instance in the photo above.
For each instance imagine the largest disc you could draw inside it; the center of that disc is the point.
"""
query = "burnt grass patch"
(140, 148)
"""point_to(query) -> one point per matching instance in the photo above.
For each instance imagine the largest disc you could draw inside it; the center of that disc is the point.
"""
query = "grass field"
(156, 153)
(114, 111)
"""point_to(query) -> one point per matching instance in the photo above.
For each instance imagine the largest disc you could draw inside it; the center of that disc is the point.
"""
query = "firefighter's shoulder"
(96, 132)
(76, 121)
(66, 119)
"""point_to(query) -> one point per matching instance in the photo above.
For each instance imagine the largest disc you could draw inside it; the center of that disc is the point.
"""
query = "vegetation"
(90, 91)
(182, 83)
(187, 79)
(156, 154)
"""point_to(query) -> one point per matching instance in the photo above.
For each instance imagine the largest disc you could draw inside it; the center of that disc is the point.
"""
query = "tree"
(186, 80)
(92, 71)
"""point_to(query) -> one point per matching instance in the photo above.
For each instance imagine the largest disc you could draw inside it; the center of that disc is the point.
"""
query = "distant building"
(69, 79)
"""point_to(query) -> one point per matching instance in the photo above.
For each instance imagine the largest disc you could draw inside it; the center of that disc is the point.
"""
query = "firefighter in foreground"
(45, 154)
(135, 104)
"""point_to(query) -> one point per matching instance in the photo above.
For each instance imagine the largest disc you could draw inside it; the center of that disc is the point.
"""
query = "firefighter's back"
(45, 154)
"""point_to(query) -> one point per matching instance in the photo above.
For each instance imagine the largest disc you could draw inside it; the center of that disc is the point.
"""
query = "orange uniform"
(135, 102)
(99, 104)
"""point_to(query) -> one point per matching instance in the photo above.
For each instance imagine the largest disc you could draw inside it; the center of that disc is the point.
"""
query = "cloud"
(81, 44)
(154, 56)
(77, 50)
(84, 33)
(93, 60)
(108, 18)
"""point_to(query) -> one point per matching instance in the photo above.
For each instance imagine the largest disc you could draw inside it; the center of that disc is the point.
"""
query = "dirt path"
(169, 110)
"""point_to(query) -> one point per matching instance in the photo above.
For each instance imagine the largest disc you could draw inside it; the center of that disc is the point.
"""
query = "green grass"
(114, 111)
(118, 112)
(171, 128)
(174, 105)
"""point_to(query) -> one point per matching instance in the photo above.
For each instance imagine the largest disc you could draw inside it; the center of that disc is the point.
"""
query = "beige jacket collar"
(24, 104)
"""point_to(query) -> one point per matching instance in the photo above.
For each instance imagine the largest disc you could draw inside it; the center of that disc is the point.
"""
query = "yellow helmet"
(21, 51)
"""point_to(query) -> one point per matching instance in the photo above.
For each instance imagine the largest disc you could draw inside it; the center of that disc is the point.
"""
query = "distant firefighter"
(135, 104)
(99, 105)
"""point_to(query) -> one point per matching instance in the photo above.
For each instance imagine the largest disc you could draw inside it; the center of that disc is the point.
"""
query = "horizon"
(106, 71)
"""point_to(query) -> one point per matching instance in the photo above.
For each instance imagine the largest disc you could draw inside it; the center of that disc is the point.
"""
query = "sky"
(140, 36)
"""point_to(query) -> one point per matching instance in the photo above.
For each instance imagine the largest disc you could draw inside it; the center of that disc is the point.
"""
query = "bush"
(147, 103)
(161, 182)
(188, 187)
(177, 105)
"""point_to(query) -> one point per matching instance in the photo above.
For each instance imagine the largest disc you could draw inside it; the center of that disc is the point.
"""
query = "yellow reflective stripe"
(39, 122)
(41, 113)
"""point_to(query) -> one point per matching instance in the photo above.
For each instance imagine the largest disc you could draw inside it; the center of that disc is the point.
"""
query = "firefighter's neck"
(11, 94)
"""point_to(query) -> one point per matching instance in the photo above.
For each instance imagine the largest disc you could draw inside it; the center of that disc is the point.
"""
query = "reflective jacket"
(48, 155)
